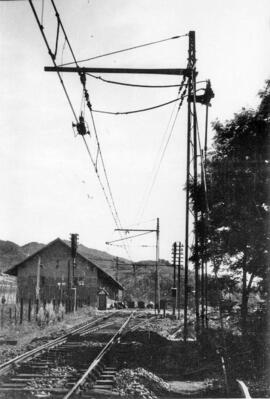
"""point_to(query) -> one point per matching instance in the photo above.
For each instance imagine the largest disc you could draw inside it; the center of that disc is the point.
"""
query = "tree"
(236, 225)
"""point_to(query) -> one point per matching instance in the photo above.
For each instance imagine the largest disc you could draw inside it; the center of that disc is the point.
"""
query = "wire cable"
(131, 84)
(128, 238)
(53, 60)
(137, 110)
(99, 152)
(155, 174)
(111, 206)
(124, 50)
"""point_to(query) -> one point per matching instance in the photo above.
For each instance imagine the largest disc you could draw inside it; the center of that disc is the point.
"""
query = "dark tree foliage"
(235, 229)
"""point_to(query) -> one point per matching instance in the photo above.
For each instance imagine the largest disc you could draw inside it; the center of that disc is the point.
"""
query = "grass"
(26, 332)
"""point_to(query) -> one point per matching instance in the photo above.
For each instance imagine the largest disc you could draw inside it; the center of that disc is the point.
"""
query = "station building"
(49, 274)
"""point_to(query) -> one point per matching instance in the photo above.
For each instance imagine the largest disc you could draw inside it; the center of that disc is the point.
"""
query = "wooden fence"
(37, 311)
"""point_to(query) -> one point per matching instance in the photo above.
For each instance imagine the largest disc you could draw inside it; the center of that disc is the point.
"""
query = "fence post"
(21, 311)
(15, 313)
(2, 316)
(10, 314)
(29, 310)
(37, 306)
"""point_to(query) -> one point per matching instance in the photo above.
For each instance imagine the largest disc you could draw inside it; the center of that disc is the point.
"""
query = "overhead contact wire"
(99, 152)
(53, 60)
(115, 217)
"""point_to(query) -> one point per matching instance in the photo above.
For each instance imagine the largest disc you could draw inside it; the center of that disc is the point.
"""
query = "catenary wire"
(124, 50)
(53, 60)
(137, 110)
(115, 217)
(130, 84)
(118, 224)
(99, 152)
(135, 85)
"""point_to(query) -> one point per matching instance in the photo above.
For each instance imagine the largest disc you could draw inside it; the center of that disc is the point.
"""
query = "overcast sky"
(48, 186)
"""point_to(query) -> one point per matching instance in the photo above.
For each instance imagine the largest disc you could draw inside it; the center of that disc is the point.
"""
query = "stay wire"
(147, 190)
(161, 158)
(130, 237)
(130, 84)
(124, 50)
(166, 145)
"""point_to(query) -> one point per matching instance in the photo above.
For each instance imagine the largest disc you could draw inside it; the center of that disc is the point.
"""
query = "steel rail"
(40, 349)
(97, 360)
(244, 389)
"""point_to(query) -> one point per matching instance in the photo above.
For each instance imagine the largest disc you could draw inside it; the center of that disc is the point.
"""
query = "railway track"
(71, 364)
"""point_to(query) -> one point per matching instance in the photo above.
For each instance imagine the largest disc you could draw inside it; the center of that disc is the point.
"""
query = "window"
(78, 281)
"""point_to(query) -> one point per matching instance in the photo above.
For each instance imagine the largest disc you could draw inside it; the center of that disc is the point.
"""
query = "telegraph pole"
(174, 277)
(117, 268)
(157, 267)
(179, 264)
(38, 279)
(74, 247)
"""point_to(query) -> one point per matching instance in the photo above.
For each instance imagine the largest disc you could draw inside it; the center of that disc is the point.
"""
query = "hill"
(10, 254)
(138, 278)
(31, 248)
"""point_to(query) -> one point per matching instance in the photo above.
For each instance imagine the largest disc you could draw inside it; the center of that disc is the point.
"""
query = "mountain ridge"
(138, 278)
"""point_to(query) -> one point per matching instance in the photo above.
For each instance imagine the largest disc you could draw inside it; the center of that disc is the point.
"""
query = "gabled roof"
(13, 270)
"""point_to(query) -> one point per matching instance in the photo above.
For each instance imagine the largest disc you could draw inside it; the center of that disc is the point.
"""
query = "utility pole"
(38, 279)
(174, 277)
(202, 249)
(117, 268)
(157, 267)
(74, 247)
(179, 264)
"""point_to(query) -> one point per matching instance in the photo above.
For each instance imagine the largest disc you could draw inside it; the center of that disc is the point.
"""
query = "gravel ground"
(30, 335)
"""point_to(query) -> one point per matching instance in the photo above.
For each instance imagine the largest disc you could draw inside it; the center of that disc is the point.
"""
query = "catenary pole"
(190, 65)
(195, 188)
